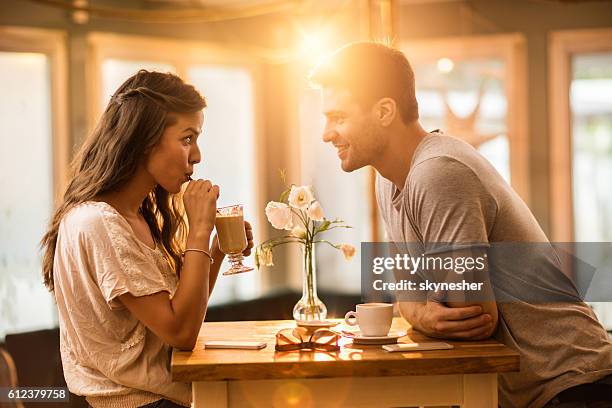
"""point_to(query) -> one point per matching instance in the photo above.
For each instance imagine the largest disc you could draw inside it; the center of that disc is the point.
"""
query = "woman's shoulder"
(91, 217)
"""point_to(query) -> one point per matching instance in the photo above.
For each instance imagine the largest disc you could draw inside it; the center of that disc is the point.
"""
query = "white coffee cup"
(374, 319)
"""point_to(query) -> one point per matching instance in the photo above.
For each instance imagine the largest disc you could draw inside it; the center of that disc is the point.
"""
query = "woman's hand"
(249, 235)
(200, 201)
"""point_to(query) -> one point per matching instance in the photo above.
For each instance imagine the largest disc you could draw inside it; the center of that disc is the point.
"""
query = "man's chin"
(348, 167)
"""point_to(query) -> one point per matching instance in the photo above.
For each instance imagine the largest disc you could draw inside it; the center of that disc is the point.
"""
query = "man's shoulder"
(447, 158)
(442, 170)
(439, 145)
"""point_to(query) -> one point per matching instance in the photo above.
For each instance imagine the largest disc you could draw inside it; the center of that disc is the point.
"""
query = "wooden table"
(355, 376)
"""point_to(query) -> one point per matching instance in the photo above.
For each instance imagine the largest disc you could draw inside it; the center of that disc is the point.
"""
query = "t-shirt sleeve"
(454, 213)
(116, 260)
(449, 204)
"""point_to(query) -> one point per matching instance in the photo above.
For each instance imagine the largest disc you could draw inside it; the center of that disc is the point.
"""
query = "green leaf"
(324, 226)
(284, 197)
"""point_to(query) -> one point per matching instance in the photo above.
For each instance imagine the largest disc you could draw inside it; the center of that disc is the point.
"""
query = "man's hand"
(467, 323)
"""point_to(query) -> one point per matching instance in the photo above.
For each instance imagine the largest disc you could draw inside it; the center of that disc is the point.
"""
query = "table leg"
(208, 394)
(479, 391)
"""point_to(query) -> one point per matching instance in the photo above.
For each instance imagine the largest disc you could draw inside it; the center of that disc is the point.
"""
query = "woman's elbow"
(185, 347)
(181, 336)
(185, 341)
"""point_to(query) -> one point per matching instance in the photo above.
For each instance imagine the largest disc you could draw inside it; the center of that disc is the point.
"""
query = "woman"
(130, 278)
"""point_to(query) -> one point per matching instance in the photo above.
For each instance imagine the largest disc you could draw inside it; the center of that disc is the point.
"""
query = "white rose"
(348, 251)
(315, 212)
(300, 197)
(298, 231)
(279, 215)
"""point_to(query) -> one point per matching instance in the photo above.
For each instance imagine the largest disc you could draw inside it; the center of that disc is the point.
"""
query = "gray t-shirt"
(454, 195)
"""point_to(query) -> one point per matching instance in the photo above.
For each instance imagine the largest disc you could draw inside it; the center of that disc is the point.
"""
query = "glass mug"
(232, 237)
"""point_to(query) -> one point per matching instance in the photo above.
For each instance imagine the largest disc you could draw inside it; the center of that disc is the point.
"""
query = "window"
(591, 118)
(342, 195)
(467, 99)
(474, 88)
(227, 83)
(580, 120)
(229, 132)
(32, 169)
(116, 71)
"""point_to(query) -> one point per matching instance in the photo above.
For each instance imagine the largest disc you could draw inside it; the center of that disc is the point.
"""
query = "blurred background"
(527, 82)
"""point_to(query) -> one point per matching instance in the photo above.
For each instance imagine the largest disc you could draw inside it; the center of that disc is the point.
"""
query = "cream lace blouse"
(108, 355)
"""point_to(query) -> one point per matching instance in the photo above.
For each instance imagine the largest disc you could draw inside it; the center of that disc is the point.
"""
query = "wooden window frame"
(563, 45)
(52, 43)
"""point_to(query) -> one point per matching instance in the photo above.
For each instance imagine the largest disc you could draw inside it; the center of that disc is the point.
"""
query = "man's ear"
(386, 111)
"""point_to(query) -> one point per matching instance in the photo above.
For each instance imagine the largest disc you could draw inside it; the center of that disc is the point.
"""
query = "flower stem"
(324, 241)
(308, 248)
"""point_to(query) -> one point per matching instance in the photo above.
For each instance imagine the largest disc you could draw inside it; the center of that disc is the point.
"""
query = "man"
(433, 188)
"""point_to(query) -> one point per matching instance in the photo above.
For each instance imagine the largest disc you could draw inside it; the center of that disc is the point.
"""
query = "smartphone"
(417, 346)
(231, 344)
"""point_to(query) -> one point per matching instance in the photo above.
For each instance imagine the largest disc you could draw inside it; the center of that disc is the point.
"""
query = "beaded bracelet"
(212, 261)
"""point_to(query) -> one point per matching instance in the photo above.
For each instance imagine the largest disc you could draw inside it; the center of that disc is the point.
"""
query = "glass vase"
(309, 307)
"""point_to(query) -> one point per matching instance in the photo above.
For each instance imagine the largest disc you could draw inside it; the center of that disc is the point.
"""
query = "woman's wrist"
(217, 254)
(199, 239)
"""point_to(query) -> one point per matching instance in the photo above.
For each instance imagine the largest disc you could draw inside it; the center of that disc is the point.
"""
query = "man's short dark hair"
(370, 71)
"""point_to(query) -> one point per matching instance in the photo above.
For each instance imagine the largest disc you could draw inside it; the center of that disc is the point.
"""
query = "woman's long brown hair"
(132, 123)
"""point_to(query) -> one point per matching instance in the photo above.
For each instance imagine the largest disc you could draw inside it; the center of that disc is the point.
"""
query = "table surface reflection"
(467, 357)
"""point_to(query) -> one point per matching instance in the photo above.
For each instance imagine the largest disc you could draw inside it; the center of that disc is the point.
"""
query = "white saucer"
(358, 338)
(315, 324)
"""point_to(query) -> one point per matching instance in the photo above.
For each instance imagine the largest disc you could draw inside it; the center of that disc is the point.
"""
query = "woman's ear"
(386, 110)
(145, 154)
(149, 150)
